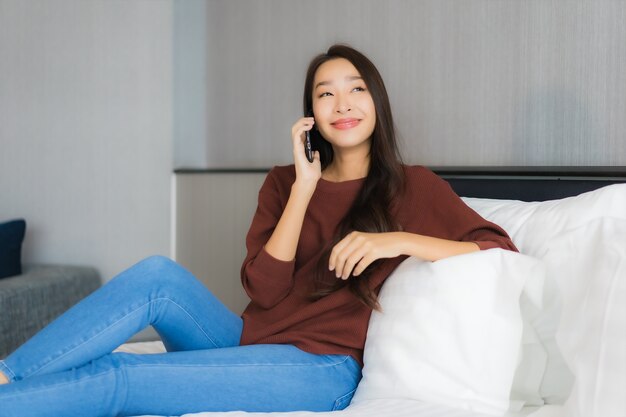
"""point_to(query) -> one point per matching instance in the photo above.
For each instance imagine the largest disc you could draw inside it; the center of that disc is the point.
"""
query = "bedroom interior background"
(101, 101)
(477, 83)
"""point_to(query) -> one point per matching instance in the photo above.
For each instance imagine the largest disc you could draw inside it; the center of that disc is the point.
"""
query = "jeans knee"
(161, 271)
(158, 266)
(157, 262)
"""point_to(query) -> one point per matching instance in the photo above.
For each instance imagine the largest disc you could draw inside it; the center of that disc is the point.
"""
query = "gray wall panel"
(472, 82)
(214, 213)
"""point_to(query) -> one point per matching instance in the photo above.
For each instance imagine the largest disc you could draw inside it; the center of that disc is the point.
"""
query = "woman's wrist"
(283, 243)
(303, 188)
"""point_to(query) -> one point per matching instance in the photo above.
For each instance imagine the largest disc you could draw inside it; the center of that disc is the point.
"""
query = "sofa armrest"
(30, 301)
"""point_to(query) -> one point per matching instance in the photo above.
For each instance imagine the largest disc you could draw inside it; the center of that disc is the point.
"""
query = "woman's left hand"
(358, 250)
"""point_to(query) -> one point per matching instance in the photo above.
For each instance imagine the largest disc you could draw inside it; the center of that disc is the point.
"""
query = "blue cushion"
(11, 237)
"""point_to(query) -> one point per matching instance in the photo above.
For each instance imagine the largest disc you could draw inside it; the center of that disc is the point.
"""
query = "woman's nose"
(342, 105)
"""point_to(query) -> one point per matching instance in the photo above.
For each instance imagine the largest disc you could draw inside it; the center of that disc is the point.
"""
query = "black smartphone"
(308, 150)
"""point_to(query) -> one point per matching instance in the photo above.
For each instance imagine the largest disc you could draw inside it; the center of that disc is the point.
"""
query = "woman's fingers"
(352, 250)
(353, 262)
(363, 264)
(346, 264)
(355, 252)
(301, 126)
(337, 250)
(308, 172)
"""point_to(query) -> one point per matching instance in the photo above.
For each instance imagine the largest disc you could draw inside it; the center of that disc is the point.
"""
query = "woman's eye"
(358, 89)
(325, 94)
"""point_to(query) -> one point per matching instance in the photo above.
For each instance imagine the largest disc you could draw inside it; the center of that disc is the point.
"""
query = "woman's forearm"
(432, 248)
(283, 243)
(354, 253)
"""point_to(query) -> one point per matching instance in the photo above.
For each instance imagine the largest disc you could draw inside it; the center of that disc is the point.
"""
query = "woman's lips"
(343, 124)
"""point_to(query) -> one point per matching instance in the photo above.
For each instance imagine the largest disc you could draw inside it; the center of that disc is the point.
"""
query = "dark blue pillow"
(11, 237)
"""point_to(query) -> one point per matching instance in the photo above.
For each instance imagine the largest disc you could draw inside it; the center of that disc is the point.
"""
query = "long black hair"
(371, 210)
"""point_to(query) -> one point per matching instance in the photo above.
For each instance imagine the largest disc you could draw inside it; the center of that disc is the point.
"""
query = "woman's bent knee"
(158, 262)
(155, 272)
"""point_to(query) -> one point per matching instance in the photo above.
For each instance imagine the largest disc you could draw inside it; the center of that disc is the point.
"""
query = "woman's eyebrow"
(348, 78)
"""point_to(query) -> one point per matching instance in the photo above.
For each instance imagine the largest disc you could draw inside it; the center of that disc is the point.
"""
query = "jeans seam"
(159, 365)
(7, 371)
(230, 365)
(339, 401)
(62, 355)
(61, 384)
(124, 377)
(191, 317)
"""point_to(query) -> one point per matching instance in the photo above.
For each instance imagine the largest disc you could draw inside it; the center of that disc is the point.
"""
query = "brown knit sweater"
(281, 312)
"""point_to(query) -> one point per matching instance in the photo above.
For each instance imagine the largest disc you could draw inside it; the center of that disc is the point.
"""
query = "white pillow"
(537, 228)
(450, 331)
(531, 224)
(589, 265)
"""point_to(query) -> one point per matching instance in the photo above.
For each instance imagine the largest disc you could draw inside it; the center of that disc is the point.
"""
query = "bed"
(541, 333)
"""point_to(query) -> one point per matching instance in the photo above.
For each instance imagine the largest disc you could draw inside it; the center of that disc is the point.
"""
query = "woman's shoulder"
(419, 174)
(283, 173)
(421, 181)
(280, 177)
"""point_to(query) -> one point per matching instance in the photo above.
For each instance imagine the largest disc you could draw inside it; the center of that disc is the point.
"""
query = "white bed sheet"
(393, 408)
(371, 408)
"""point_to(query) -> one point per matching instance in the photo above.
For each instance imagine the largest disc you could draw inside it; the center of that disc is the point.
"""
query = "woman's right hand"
(283, 242)
(307, 173)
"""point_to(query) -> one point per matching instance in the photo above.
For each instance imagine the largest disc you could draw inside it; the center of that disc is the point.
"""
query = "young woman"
(325, 236)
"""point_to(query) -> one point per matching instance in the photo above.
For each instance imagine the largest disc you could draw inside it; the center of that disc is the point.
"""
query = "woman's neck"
(344, 168)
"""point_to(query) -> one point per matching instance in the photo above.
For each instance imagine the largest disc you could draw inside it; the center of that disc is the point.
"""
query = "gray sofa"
(30, 301)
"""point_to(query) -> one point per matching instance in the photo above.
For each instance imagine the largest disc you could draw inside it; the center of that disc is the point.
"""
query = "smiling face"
(343, 107)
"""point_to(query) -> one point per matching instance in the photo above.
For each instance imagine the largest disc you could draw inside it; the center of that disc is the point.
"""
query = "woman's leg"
(156, 292)
(248, 378)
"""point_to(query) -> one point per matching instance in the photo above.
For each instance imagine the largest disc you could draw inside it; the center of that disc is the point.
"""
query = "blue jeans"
(67, 369)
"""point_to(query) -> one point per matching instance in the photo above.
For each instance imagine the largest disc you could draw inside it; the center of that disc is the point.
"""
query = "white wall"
(86, 128)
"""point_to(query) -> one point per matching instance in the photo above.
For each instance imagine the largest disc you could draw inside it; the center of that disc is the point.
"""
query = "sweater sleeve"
(266, 280)
(461, 223)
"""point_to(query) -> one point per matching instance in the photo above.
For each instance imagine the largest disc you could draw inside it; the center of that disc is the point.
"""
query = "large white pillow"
(589, 265)
(541, 229)
(532, 224)
(449, 331)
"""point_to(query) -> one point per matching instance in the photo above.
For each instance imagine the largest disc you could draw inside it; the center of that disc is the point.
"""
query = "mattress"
(392, 408)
